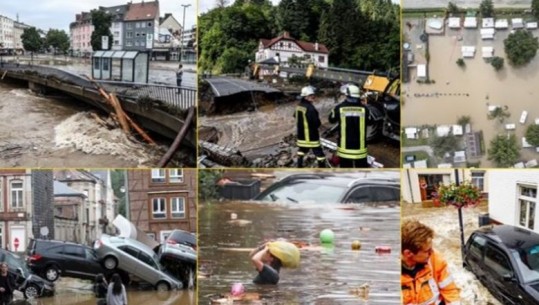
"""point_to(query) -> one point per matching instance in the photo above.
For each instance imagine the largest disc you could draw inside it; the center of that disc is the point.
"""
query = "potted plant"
(463, 195)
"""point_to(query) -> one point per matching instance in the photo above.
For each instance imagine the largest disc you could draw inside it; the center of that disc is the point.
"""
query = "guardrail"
(178, 97)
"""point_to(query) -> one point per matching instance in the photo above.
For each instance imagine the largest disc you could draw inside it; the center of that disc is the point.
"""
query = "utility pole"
(183, 30)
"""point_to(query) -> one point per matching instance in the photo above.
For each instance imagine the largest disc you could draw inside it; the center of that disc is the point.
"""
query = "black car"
(358, 187)
(183, 238)
(31, 285)
(52, 258)
(506, 261)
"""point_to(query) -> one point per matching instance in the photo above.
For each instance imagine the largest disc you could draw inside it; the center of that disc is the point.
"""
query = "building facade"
(81, 34)
(161, 200)
(513, 198)
(141, 25)
(117, 28)
(285, 48)
(68, 210)
(420, 185)
(18, 30)
(7, 27)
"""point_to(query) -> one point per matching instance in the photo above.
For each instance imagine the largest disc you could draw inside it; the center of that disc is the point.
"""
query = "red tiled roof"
(142, 11)
(304, 45)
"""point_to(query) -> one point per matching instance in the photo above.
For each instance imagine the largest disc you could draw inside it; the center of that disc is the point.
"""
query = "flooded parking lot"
(327, 274)
(470, 90)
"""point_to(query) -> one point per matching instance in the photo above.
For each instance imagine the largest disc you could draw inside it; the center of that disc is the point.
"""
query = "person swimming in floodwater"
(267, 265)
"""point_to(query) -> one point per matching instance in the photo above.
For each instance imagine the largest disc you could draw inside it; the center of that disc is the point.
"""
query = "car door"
(128, 259)
(497, 266)
(373, 193)
(474, 254)
(75, 263)
(149, 268)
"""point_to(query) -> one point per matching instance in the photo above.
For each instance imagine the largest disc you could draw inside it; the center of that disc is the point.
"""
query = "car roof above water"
(510, 236)
(119, 241)
(347, 179)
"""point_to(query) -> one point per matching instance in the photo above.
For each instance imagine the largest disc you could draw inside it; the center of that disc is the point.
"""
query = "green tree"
(207, 186)
(233, 60)
(499, 113)
(520, 47)
(292, 17)
(117, 178)
(461, 63)
(486, 8)
(101, 22)
(535, 8)
(58, 39)
(532, 135)
(31, 40)
(452, 8)
(503, 150)
(497, 63)
(443, 145)
(464, 120)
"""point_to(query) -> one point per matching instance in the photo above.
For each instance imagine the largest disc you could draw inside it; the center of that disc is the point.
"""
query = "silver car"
(136, 258)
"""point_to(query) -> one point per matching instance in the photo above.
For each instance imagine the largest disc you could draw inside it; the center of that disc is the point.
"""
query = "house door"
(17, 236)
(428, 184)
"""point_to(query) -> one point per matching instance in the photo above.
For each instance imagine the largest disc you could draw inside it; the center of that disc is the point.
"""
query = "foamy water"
(81, 132)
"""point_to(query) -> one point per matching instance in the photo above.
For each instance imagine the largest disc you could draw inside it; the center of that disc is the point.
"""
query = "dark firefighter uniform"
(308, 137)
(351, 116)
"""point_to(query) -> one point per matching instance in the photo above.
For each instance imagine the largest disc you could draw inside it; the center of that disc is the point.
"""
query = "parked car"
(136, 258)
(180, 260)
(52, 258)
(506, 261)
(334, 188)
(31, 285)
(183, 238)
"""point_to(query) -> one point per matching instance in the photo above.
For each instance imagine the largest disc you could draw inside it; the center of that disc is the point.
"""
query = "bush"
(461, 63)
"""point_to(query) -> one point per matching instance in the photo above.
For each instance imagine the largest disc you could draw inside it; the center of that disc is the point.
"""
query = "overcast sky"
(58, 14)
(206, 5)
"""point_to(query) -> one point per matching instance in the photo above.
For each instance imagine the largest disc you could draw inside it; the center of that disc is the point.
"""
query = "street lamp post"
(183, 30)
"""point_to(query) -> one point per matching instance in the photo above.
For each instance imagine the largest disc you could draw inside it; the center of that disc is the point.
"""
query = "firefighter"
(425, 278)
(308, 122)
(351, 116)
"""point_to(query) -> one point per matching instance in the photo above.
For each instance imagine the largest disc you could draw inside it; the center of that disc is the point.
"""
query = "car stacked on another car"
(183, 238)
(362, 187)
(31, 285)
(52, 258)
(506, 261)
(135, 258)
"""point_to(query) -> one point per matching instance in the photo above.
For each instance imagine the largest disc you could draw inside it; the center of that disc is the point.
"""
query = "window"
(149, 24)
(116, 33)
(129, 44)
(131, 251)
(321, 59)
(477, 246)
(136, 43)
(478, 179)
(175, 175)
(177, 207)
(74, 251)
(527, 200)
(497, 262)
(116, 42)
(289, 45)
(159, 209)
(97, 63)
(137, 25)
(429, 184)
(158, 175)
(129, 25)
(147, 260)
(105, 64)
(129, 35)
(142, 24)
(16, 194)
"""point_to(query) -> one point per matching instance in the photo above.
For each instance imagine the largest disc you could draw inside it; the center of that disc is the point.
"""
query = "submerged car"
(359, 187)
(506, 261)
(180, 260)
(135, 258)
(182, 237)
(31, 285)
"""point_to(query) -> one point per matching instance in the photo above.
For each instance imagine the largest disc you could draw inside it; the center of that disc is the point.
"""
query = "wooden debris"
(183, 131)
(4, 75)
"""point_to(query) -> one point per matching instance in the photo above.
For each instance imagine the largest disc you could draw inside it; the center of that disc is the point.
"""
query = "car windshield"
(15, 262)
(528, 263)
(305, 192)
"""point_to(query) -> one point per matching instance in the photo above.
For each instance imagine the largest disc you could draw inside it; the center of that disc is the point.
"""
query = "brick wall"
(43, 199)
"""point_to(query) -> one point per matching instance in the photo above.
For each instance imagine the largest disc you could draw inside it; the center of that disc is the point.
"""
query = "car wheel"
(31, 291)
(52, 273)
(162, 286)
(110, 263)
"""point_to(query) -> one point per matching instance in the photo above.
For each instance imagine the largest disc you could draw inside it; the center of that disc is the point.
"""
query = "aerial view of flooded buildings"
(469, 84)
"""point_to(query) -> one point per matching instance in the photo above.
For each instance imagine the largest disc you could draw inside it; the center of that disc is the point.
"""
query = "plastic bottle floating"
(382, 249)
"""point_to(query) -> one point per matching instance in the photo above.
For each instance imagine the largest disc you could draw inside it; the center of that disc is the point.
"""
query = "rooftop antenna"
(17, 17)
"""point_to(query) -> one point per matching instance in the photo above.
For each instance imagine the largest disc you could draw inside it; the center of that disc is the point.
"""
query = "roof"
(511, 237)
(142, 11)
(61, 189)
(304, 45)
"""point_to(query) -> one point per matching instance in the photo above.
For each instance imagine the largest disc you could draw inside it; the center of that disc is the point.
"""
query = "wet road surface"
(327, 274)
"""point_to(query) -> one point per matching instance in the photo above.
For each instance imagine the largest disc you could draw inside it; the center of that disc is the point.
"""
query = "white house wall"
(503, 194)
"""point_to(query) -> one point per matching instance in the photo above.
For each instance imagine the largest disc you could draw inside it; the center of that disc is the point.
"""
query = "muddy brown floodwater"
(327, 274)
(266, 127)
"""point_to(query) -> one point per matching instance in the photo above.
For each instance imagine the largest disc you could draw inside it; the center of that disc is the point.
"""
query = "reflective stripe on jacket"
(431, 285)
(307, 123)
(352, 119)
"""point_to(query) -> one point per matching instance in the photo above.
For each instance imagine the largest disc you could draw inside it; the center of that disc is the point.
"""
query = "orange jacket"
(431, 285)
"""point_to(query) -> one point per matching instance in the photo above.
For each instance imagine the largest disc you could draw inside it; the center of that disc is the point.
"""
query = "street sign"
(44, 231)
(16, 243)
(104, 42)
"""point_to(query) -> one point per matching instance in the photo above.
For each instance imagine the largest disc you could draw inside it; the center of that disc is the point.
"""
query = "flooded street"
(470, 90)
(445, 223)
(251, 132)
(327, 274)
(74, 291)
